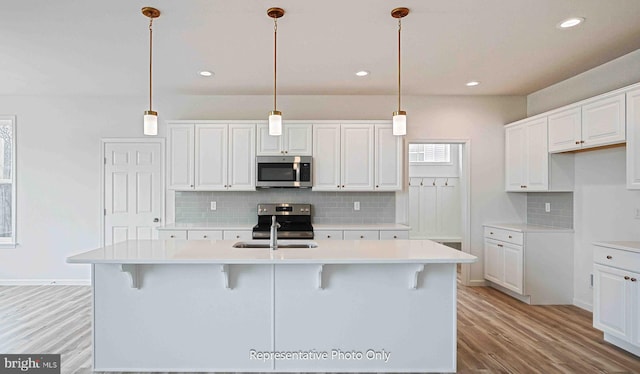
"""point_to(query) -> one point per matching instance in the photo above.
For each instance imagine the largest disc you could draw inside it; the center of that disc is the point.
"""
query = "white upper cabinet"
(595, 123)
(211, 156)
(242, 157)
(357, 166)
(527, 159)
(388, 159)
(296, 140)
(181, 170)
(326, 157)
(565, 130)
(633, 139)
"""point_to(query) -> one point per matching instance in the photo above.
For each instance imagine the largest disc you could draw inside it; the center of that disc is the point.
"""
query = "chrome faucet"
(273, 236)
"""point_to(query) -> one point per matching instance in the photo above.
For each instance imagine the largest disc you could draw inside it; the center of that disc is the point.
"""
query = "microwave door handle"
(296, 167)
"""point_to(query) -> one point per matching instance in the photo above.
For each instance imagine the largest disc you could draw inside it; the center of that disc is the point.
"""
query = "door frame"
(465, 182)
(103, 145)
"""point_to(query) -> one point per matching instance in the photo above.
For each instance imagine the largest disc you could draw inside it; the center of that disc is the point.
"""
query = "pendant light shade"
(275, 116)
(399, 116)
(150, 116)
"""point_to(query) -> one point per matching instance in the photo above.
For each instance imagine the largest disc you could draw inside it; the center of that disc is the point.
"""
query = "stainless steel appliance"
(283, 171)
(294, 220)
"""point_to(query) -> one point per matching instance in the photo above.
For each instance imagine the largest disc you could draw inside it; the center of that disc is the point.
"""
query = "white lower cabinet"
(535, 267)
(318, 234)
(362, 235)
(394, 234)
(327, 234)
(237, 234)
(616, 296)
(204, 235)
(172, 234)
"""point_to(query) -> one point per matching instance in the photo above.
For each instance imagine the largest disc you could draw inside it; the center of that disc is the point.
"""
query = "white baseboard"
(477, 283)
(45, 282)
(582, 305)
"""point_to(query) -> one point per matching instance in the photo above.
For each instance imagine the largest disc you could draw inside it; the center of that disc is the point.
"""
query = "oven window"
(276, 172)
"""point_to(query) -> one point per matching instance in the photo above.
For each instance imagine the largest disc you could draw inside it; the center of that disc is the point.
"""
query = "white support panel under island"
(343, 306)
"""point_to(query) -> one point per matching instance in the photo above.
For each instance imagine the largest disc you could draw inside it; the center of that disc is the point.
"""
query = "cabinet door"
(204, 235)
(326, 157)
(298, 139)
(513, 267)
(415, 210)
(356, 168)
(565, 130)
(327, 234)
(515, 140)
(181, 153)
(242, 158)
(493, 261)
(603, 121)
(633, 140)
(611, 301)
(537, 156)
(172, 234)
(388, 159)
(394, 234)
(361, 235)
(237, 235)
(211, 157)
(429, 207)
(634, 287)
(268, 145)
(449, 208)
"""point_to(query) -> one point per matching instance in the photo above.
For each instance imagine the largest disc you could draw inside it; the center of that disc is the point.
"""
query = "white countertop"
(362, 226)
(631, 246)
(316, 226)
(524, 227)
(222, 252)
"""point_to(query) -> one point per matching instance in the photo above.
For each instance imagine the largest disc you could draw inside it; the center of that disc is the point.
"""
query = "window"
(7, 180)
(430, 153)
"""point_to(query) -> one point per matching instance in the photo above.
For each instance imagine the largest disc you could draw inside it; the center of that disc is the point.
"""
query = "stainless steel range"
(294, 220)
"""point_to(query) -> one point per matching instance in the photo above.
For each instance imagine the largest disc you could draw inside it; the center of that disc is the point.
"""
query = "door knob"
(156, 220)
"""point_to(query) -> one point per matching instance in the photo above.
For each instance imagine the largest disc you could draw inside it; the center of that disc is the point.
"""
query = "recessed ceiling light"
(362, 73)
(472, 83)
(570, 22)
(205, 73)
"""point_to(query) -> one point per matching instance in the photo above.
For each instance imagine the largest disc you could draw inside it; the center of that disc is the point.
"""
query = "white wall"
(59, 158)
(604, 208)
(451, 171)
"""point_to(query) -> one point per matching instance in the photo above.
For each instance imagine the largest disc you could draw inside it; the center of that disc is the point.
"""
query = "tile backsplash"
(328, 207)
(561, 214)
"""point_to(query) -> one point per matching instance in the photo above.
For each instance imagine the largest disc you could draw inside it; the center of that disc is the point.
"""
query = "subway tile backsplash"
(328, 207)
(561, 214)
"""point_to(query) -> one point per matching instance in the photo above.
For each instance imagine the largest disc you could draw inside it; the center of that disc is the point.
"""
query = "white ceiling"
(512, 46)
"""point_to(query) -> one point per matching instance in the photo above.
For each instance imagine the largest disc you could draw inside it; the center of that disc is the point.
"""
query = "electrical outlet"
(547, 207)
(214, 205)
(356, 205)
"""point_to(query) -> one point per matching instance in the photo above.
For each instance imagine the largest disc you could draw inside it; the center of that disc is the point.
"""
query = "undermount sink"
(281, 244)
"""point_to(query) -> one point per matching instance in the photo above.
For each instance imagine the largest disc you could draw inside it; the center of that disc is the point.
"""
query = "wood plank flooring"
(496, 334)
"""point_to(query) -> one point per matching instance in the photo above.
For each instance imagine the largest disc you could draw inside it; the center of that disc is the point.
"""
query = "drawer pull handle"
(204, 236)
(500, 245)
(510, 237)
(237, 236)
(577, 142)
(633, 279)
(609, 257)
(395, 236)
(361, 236)
(626, 277)
(328, 236)
(172, 236)
(582, 141)
(491, 233)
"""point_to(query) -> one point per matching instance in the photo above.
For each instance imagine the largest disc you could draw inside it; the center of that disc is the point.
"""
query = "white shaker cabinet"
(296, 140)
(212, 157)
(357, 162)
(633, 139)
(388, 158)
(180, 153)
(616, 293)
(594, 123)
(527, 159)
(326, 157)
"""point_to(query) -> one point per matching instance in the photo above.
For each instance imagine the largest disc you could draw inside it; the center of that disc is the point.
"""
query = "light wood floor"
(496, 334)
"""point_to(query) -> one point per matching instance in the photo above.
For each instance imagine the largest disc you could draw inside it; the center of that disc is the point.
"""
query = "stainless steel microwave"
(283, 171)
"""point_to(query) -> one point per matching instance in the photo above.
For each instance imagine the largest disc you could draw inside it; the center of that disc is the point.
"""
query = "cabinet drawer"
(327, 234)
(361, 234)
(508, 236)
(394, 234)
(204, 235)
(617, 258)
(237, 234)
(172, 234)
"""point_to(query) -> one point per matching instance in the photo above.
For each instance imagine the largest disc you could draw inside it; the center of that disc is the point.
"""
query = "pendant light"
(150, 117)
(275, 116)
(400, 116)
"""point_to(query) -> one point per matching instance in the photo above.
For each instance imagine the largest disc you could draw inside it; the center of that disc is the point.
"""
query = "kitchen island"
(177, 305)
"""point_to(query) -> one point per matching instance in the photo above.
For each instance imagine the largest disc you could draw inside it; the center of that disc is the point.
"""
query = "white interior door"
(132, 190)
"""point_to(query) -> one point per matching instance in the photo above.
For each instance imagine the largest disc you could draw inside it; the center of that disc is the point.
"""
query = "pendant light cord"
(150, 60)
(275, 60)
(399, 66)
